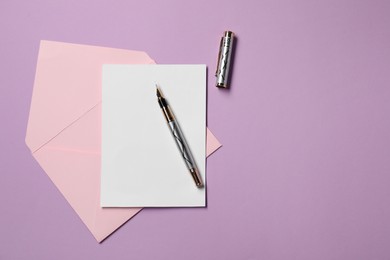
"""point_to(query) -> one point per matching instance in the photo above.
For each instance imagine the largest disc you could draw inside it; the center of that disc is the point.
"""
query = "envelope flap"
(67, 85)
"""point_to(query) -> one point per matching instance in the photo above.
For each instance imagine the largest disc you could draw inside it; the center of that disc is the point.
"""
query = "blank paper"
(141, 165)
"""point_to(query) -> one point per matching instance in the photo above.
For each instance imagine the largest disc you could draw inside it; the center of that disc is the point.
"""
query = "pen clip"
(219, 57)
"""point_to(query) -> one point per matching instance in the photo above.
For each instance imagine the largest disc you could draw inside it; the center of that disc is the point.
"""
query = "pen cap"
(224, 59)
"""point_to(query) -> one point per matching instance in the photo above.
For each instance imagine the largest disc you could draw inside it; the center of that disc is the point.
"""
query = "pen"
(179, 138)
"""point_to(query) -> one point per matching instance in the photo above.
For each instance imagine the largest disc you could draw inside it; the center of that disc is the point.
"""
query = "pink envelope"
(64, 128)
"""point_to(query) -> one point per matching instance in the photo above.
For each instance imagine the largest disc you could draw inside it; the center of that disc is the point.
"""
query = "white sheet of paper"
(141, 165)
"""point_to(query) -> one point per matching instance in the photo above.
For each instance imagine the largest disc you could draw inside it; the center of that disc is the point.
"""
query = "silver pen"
(179, 138)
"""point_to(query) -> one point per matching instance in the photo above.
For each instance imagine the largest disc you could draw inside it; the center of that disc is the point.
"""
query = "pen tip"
(158, 91)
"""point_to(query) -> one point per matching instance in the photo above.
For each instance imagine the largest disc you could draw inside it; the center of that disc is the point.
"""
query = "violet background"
(304, 171)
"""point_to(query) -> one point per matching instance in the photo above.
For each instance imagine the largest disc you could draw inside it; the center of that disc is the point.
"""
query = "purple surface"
(304, 172)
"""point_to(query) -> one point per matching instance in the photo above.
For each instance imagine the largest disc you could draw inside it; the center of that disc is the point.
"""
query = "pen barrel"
(185, 151)
(182, 144)
(224, 59)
